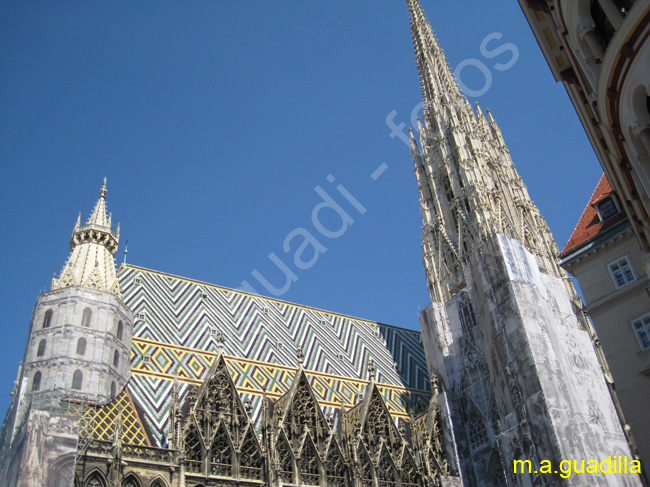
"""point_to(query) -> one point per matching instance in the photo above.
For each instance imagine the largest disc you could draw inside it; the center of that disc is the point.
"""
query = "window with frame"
(641, 328)
(606, 208)
(621, 272)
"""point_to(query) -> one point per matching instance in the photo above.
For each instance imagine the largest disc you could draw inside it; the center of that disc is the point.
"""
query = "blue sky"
(216, 123)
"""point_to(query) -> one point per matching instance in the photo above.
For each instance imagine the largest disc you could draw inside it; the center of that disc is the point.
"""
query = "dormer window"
(607, 208)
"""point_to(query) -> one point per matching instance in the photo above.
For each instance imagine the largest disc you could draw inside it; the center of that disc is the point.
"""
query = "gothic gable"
(218, 436)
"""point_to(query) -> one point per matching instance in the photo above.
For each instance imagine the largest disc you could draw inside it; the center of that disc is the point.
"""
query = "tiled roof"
(589, 224)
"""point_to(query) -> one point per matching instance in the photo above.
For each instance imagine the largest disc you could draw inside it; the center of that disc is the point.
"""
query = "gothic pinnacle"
(92, 246)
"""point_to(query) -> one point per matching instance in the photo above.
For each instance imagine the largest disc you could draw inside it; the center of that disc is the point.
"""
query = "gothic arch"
(366, 469)
(131, 480)
(221, 454)
(95, 479)
(158, 482)
(218, 435)
(496, 476)
(335, 465)
(194, 448)
(286, 459)
(299, 408)
(386, 471)
(408, 470)
(250, 457)
(310, 464)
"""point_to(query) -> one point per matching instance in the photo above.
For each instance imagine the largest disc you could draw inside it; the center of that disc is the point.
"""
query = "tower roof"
(92, 246)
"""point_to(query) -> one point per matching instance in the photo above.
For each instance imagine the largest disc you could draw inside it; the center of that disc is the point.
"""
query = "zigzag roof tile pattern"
(175, 335)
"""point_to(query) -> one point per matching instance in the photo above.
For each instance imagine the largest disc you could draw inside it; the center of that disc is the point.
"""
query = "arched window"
(36, 382)
(113, 389)
(77, 379)
(467, 317)
(41, 348)
(120, 329)
(116, 358)
(95, 481)
(47, 319)
(131, 481)
(81, 346)
(85, 319)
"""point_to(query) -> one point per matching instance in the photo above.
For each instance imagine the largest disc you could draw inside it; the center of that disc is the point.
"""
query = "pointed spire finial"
(300, 355)
(126, 249)
(220, 339)
(103, 190)
(371, 369)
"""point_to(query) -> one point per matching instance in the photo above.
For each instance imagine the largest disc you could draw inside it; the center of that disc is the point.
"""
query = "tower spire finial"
(435, 77)
(92, 247)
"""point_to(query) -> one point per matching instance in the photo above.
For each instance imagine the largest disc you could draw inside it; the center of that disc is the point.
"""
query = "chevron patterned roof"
(175, 335)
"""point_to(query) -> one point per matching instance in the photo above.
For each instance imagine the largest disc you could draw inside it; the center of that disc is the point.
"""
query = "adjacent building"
(604, 255)
(600, 51)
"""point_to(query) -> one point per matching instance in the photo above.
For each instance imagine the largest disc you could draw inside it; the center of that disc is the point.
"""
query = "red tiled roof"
(589, 224)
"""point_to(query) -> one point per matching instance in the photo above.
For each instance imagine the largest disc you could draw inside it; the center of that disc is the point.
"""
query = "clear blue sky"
(215, 122)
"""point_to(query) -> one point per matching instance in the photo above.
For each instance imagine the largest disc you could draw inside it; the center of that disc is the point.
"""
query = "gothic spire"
(435, 78)
(469, 187)
(92, 246)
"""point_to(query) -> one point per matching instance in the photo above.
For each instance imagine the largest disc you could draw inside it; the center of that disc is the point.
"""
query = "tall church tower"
(77, 355)
(506, 332)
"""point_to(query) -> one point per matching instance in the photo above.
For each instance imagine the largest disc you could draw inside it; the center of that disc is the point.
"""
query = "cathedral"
(133, 377)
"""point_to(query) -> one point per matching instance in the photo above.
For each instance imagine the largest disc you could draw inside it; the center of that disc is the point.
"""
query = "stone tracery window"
(250, 459)
(130, 482)
(309, 464)
(386, 473)
(286, 459)
(221, 454)
(95, 481)
(409, 471)
(467, 317)
(120, 330)
(476, 427)
(366, 469)
(335, 467)
(193, 450)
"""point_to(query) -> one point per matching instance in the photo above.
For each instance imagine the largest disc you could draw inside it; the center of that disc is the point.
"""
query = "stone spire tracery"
(469, 187)
(92, 247)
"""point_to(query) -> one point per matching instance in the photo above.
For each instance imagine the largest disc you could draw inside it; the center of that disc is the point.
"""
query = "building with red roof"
(606, 259)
